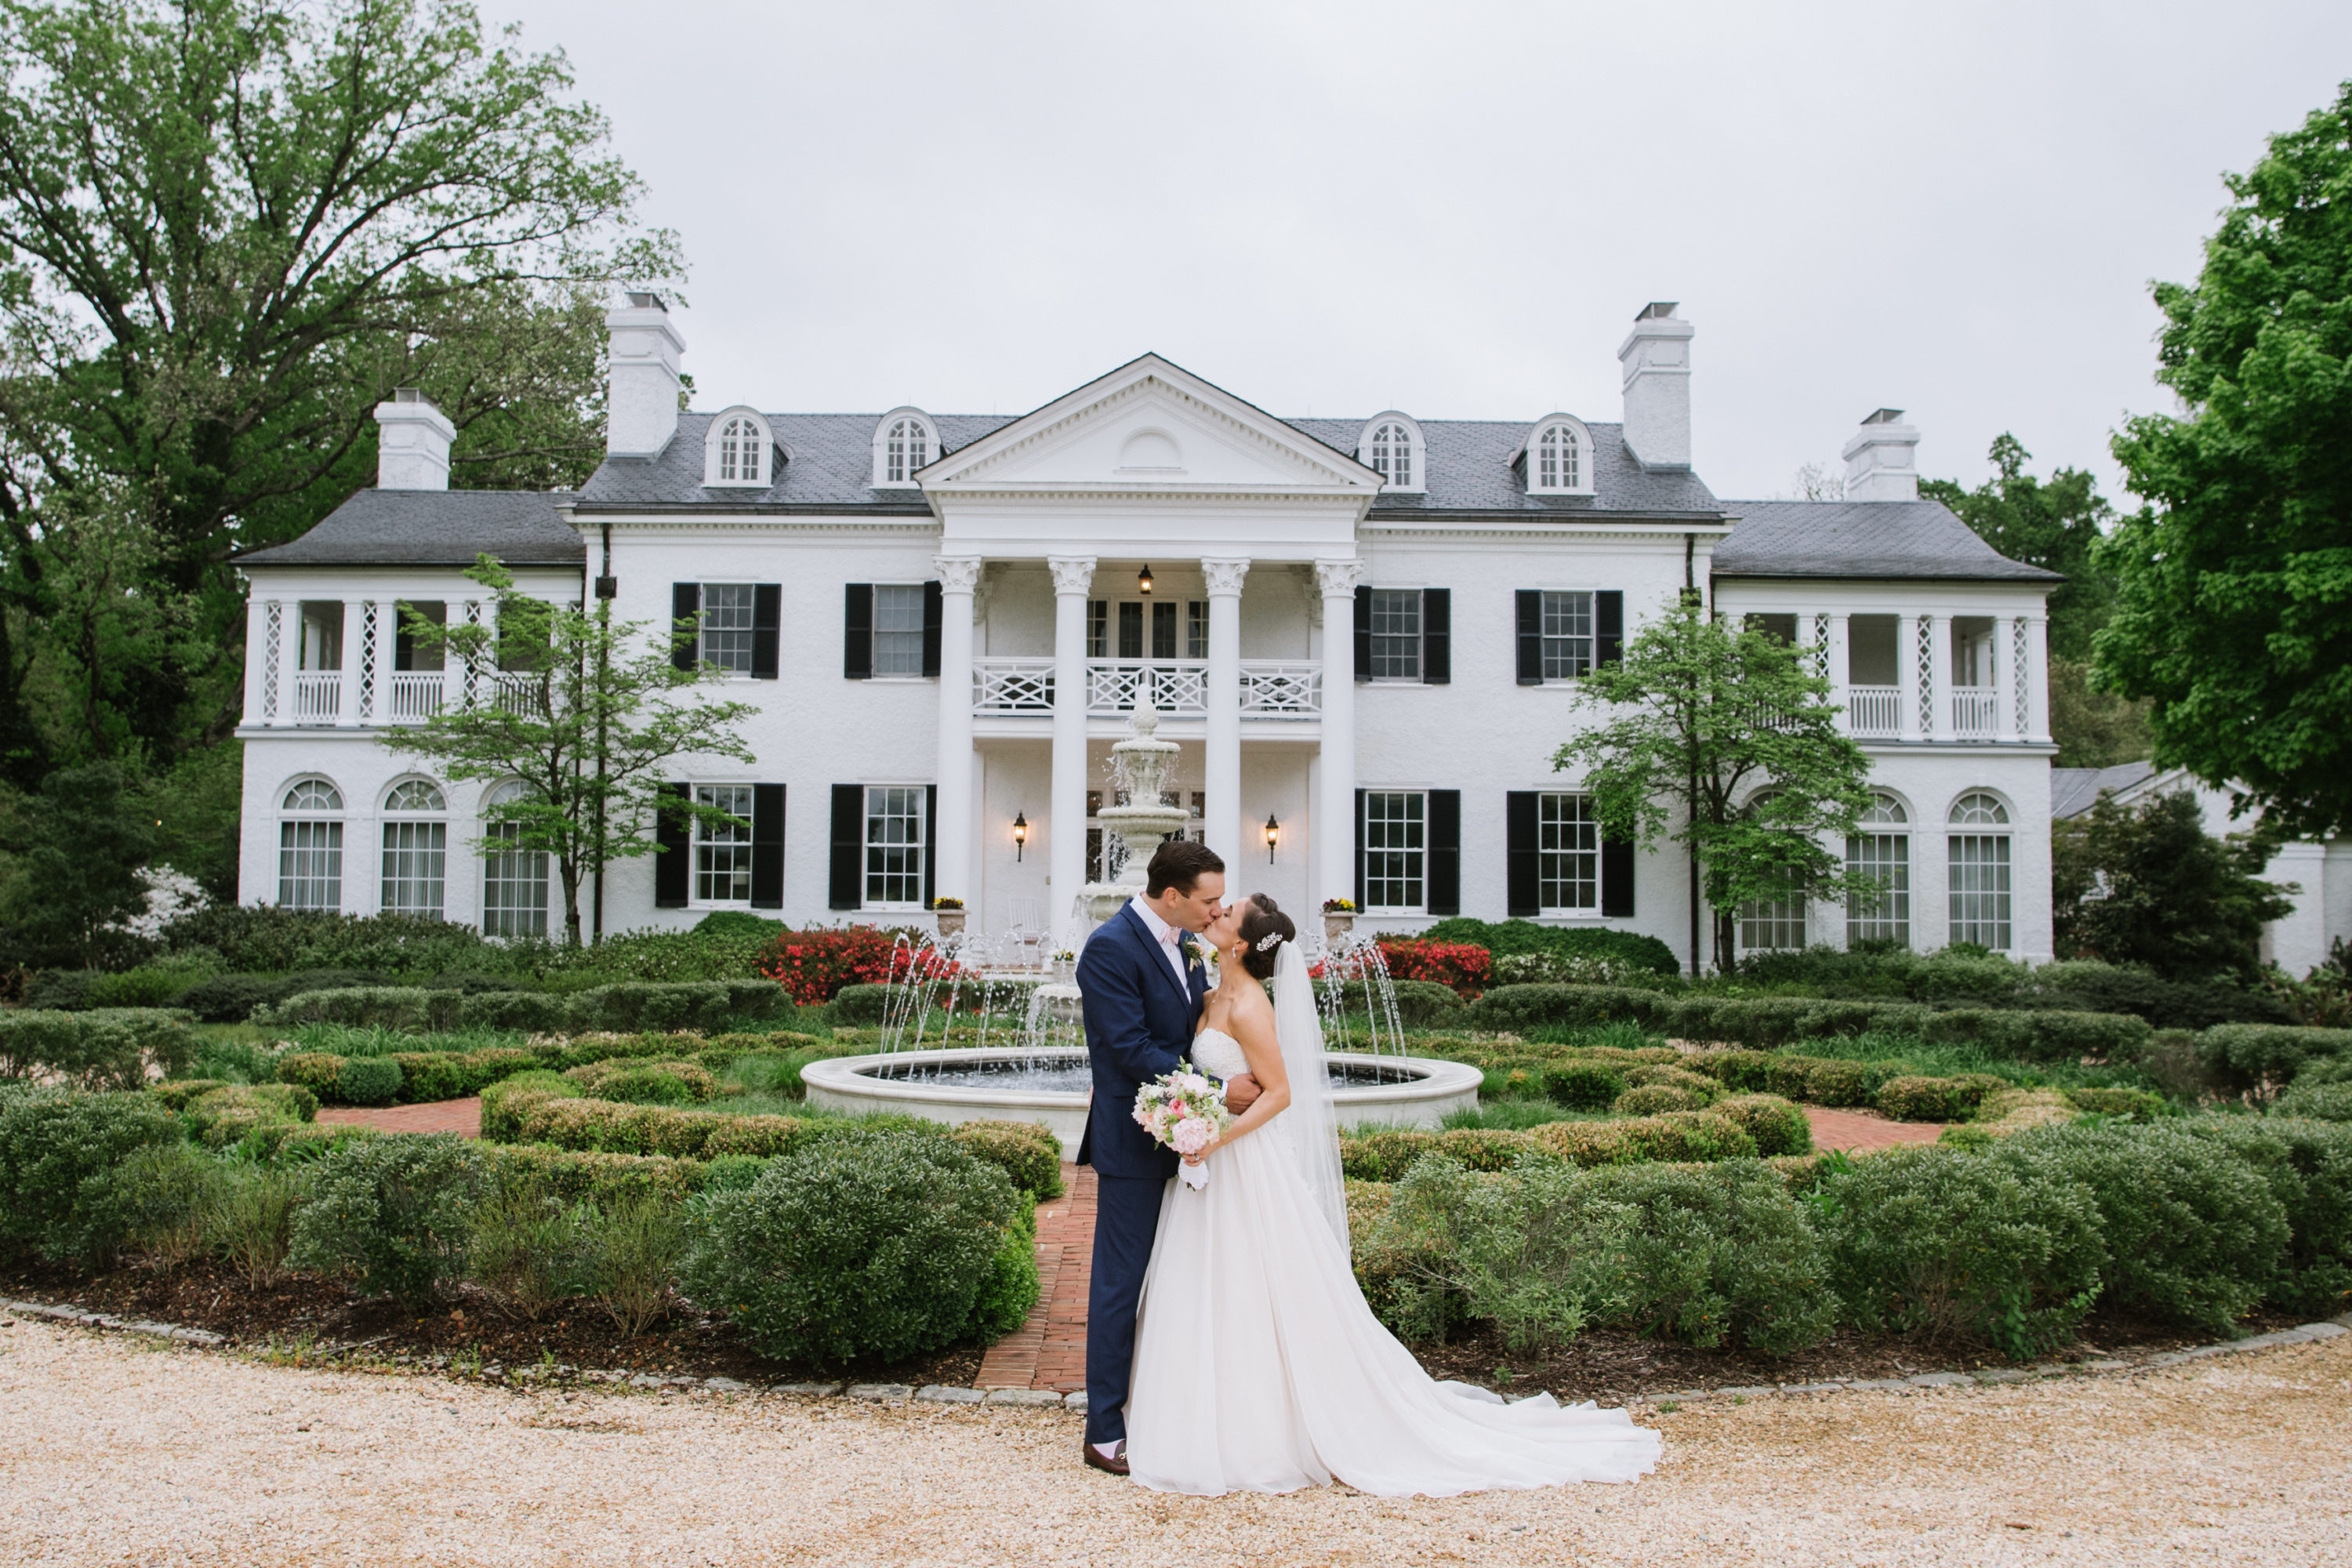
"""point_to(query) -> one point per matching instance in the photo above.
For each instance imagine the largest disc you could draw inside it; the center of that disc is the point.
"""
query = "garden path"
(1854, 1129)
(463, 1116)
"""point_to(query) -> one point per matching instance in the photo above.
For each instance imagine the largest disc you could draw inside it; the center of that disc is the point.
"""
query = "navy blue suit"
(1139, 1023)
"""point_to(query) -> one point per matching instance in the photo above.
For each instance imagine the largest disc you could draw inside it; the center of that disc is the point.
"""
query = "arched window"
(1881, 849)
(1391, 446)
(1558, 457)
(514, 880)
(1980, 871)
(416, 849)
(739, 449)
(904, 442)
(1767, 924)
(310, 848)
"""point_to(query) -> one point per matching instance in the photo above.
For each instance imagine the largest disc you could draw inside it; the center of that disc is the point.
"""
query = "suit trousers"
(1127, 1221)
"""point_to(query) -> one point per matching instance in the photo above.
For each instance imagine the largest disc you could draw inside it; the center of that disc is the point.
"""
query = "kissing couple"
(1228, 1345)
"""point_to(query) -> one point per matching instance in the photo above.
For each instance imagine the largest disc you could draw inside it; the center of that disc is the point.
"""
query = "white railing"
(515, 693)
(1012, 685)
(1874, 710)
(414, 697)
(1976, 712)
(317, 696)
(1282, 690)
(1179, 687)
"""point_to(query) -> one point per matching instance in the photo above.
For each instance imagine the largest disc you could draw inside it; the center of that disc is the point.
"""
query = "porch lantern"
(1143, 579)
(1020, 834)
(1272, 836)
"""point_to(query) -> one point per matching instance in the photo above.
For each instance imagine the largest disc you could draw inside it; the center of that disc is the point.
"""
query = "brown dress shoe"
(1115, 1464)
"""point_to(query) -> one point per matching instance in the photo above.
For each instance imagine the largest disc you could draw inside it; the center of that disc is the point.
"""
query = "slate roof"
(435, 527)
(1469, 463)
(1903, 539)
(2074, 791)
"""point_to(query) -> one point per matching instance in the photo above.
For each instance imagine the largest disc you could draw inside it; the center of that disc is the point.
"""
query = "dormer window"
(739, 450)
(1391, 446)
(904, 444)
(1558, 458)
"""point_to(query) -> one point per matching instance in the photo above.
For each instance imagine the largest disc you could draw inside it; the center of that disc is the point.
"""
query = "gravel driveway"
(118, 1452)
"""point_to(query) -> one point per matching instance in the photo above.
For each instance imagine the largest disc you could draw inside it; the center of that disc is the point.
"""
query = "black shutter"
(1616, 876)
(1363, 634)
(1608, 626)
(1443, 888)
(932, 845)
(674, 847)
(1529, 602)
(686, 604)
(766, 613)
(857, 637)
(767, 845)
(1436, 636)
(847, 880)
(933, 620)
(1522, 859)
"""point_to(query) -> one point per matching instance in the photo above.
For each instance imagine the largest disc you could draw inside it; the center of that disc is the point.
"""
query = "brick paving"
(1867, 1129)
(1049, 1350)
(463, 1116)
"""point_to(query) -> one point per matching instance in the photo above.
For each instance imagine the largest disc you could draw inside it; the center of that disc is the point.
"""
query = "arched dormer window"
(1558, 457)
(1391, 446)
(905, 442)
(739, 449)
(311, 847)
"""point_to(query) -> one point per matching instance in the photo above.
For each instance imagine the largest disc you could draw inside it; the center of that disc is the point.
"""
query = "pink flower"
(1193, 1135)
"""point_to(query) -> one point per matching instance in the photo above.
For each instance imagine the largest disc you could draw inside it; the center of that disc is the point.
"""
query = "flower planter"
(1337, 926)
(951, 922)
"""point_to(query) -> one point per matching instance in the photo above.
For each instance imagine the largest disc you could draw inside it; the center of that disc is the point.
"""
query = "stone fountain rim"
(842, 1074)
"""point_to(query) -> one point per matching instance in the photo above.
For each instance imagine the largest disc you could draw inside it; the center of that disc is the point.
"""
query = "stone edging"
(1040, 1398)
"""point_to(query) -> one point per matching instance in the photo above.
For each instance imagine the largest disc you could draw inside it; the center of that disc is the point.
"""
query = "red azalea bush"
(814, 965)
(1467, 970)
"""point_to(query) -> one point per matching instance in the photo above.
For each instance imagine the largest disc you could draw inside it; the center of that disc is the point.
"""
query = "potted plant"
(1339, 919)
(951, 915)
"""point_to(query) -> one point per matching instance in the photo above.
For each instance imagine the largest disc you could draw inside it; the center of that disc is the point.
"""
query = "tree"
(584, 713)
(227, 230)
(2234, 585)
(75, 850)
(2147, 885)
(1721, 738)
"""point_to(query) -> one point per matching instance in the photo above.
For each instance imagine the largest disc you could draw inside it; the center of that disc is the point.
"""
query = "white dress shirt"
(1170, 941)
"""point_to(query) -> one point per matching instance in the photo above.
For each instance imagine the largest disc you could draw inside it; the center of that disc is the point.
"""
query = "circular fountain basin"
(997, 1084)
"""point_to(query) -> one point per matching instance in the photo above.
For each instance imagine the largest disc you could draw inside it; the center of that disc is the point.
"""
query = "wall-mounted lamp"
(1273, 837)
(1143, 580)
(1020, 834)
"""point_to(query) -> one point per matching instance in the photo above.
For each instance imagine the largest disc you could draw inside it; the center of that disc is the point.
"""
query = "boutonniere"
(1195, 955)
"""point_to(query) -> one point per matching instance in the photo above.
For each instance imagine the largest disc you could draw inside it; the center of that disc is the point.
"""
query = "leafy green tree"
(2234, 602)
(2147, 885)
(75, 849)
(1722, 738)
(584, 713)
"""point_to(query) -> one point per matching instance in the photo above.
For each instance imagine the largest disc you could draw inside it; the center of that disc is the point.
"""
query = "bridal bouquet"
(1183, 1111)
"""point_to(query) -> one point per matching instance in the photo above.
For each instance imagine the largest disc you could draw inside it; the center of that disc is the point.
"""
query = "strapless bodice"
(1219, 1055)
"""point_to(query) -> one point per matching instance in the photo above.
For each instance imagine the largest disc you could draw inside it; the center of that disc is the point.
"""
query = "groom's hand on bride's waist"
(1240, 1089)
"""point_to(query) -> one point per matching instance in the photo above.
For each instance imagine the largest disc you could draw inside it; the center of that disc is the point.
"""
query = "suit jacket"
(1139, 1024)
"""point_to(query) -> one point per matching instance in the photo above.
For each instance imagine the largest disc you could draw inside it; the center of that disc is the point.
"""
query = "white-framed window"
(1396, 634)
(1396, 851)
(1566, 634)
(897, 628)
(895, 832)
(904, 443)
(726, 616)
(1558, 457)
(1196, 629)
(1881, 849)
(1978, 851)
(1766, 924)
(416, 849)
(723, 850)
(514, 880)
(311, 847)
(1391, 446)
(738, 449)
(1567, 854)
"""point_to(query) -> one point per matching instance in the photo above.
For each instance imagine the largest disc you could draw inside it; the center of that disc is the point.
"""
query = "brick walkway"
(1867, 1129)
(459, 1116)
(1049, 1350)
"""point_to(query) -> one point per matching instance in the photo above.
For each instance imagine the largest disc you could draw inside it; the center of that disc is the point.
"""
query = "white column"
(2004, 687)
(1940, 667)
(347, 699)
(1840, 671)
(1223, 781)
(454, 668)
(1335, 805)
(951, 827)
(1065, 828)
(2037, 678)
(1907, 673)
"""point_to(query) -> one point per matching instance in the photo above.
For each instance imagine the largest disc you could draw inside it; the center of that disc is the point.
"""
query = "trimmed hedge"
(691, 1004)
(113, 1047)
(2257, 1057)
(1778, 1127)
(1910, 1099)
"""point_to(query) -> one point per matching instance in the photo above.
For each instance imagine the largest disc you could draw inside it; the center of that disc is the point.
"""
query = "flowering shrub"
(814, 965)
(1454, 964)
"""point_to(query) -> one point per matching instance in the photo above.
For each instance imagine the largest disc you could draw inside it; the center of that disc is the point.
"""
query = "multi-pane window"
(1097, 628)
(906, 448)
(739, 451)
(1980, 871)
(894, 847)
(1568, 859)
(310, 849)
(727, 625)
(1881, 850)
(1396, 849)
(415, 852)
(1196, 629)
(723, 850)
(1396, 634)
(1558, 459)
(514, 880)
(1773, 923)
(1567, 636)
(898, 629)
(1392, 456)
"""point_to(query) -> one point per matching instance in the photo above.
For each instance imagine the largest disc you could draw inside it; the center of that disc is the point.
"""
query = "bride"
(1259, 1367)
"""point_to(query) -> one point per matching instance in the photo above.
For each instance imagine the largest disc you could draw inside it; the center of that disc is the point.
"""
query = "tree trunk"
(570, 871)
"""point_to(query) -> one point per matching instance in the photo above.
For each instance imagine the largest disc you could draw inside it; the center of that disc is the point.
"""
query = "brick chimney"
(1882, 459)
(1656, 357)
(412, 443)
(641, 414)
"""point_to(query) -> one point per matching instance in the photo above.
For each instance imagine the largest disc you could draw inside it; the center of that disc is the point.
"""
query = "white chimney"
(412, 443)
(1656, 357)
(641, 414)
(1882, 459)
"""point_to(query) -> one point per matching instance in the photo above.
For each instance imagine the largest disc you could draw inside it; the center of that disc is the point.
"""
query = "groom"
(1144, 979)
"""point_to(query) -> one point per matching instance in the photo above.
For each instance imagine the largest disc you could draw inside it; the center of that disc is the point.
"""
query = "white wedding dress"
(1258, 1367)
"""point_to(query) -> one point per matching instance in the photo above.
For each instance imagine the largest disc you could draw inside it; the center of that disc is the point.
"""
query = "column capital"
(1223, 575)
(1072, 573)
(1337, 578)
(957, 574)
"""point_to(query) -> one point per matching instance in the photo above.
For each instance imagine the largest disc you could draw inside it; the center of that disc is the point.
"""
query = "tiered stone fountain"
(1139, 766)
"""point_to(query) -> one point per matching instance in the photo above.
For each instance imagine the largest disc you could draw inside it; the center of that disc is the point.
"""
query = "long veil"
(1314, 1122)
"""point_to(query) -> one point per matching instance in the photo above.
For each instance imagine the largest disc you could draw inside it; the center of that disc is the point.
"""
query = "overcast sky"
(1451, 208)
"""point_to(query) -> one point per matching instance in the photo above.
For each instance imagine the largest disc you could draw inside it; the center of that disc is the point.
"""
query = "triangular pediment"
(1152, 425)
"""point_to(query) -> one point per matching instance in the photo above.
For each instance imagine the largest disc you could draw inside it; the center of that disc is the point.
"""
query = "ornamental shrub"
(154, 1202)
(2134, 1104)
(1458, 967)
(1778, 1127)
(1695, 1135)
(392, 1214)
(318, 1071)
(1582, 1085)
(1915, 1098)
(368, 1080)
(2320, 1102)
(879, 1244)
(1499, 938)
(1383, 1156)
(1013, 1286)
(531, 1012)
(389, 1006)
(1742, 1072)
(1676, 1076)
(529, 1247)
(1957, 1246)
(57, 1146)
(2260, 1059)
(226, 1114)
(114, 1049)
(1519, 1008)
(1027, 1152)
(2308, 1167)
(1518, 1250)
(1648, 1100)
(639, 1082)
(861, 1005)
(232, 998)
(1421, 1004)
(812, 966)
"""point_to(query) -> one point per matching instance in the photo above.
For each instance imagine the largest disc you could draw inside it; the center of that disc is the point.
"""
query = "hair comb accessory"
(1268, 940)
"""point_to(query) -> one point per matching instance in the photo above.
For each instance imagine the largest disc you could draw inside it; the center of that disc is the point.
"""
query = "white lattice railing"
(1012, 685)
(1282, 690)
(1179, 687)
(317, 696)
(1874, 710)
(412, 697)
(514, 693)
(1976, 712)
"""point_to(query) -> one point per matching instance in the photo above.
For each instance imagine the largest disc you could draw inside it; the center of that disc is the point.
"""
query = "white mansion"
(1365, 633)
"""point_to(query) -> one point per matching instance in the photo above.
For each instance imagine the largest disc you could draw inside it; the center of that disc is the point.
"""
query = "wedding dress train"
(1258, 1367)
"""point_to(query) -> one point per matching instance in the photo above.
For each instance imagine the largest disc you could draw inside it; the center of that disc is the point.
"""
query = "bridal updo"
(1263, 918)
